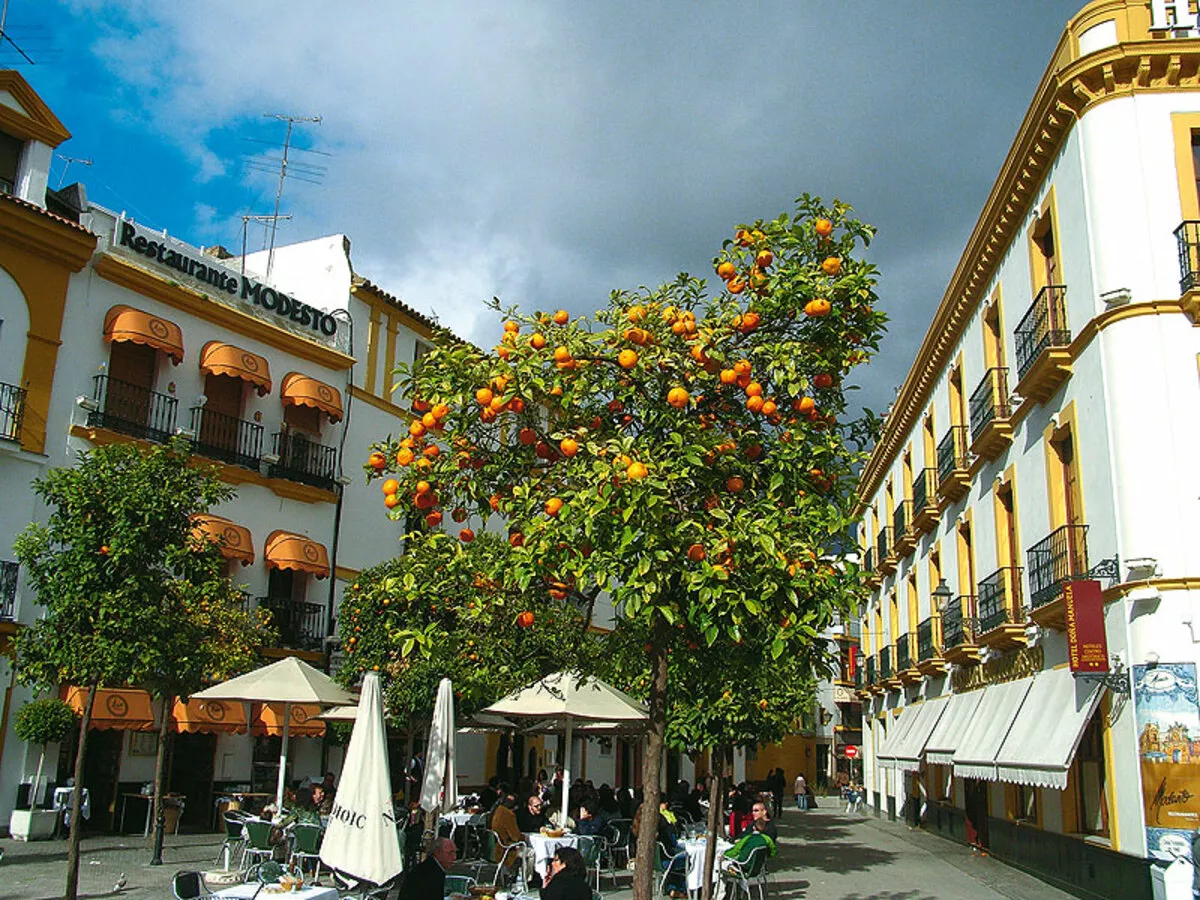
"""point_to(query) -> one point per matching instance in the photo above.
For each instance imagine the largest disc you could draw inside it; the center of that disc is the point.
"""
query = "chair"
(669, 863)
(458, 884)
(618, 841)
(475, 837)
(747, 873)
(189, 886)
(516, 850)
(235, 839)
(258, 841)
(591, 848)
(306, 844)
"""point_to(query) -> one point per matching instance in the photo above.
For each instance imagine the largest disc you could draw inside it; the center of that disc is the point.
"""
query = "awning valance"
(120, 708)
(976, 755)
(285, 550)
(268, 720)
(909, 748)
(225, 359)
(301, 390)
(948, 733)
(209, 716)
(1041, 744)
(234, 540)
(124, 323)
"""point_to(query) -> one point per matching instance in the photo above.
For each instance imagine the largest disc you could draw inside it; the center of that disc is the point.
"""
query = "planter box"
(32, 824)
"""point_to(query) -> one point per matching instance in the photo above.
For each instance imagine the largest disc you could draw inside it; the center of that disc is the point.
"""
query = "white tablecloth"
(246, 891)
(456, 820)
(543, 849)
(696, 848)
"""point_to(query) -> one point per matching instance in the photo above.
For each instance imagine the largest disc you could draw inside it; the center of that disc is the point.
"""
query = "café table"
(696, 848)
(543, 848)
(457, 819)
(252, 890)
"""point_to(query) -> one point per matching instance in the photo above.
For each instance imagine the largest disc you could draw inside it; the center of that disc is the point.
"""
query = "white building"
(1045, 432)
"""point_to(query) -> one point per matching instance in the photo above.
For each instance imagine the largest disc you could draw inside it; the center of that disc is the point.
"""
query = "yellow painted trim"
(389, 360)
(290, 490)
(383, 306)
(345, 573)
(372, 351)
(379, 403)
(1182, 126)
(1055, 486)
(38, 123)
(1162, 585)
(127, 275)
(1110, 780)
(965, 564)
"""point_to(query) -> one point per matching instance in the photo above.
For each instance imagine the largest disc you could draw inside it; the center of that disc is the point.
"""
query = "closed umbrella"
(288, 681)
(361, 838)
(439, 790)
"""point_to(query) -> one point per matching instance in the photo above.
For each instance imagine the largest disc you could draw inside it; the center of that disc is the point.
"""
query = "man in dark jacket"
(427, 880)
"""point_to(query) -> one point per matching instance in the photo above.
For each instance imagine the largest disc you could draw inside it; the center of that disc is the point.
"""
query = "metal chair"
(306, 844)
(669, 863)
(618, 841)
(189, 886)
(516, 850)
(747, 873)
(258, 841)
(591, 848)
(235, 839)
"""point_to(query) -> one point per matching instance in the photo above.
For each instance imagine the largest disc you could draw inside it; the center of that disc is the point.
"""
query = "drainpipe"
(337, 519)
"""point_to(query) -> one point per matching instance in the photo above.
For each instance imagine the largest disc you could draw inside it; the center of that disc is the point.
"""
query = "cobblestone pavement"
(824, 855)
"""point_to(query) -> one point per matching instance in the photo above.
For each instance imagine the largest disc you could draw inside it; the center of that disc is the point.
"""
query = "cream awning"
(124, 323)
(1041, 744)
(226, 359)
(976, 755)
(948, 733)
(899, 724)
(908, 749)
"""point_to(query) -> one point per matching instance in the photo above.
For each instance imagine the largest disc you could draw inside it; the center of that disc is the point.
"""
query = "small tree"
(42, 722)
(114, 568)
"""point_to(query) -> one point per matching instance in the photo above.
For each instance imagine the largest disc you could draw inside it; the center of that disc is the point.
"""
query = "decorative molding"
(379, 403)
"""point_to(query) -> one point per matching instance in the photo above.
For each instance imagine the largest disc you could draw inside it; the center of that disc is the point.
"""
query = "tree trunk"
(644, 871)
(160, 765)
(85, 720)
(716, 797)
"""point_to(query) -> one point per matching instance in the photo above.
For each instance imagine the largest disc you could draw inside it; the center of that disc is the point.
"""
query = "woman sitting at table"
(566, 878)
(530, 817)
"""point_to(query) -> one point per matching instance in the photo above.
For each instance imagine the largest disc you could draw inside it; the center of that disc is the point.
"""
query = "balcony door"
(131, 371)
(222, 412)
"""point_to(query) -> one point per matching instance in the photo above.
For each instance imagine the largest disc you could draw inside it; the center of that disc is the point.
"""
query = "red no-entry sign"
(851, 752)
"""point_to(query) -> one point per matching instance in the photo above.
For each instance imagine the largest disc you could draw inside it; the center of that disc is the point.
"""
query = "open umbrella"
(439, 790)
(288, 681)
(361, 838)
(566, 698)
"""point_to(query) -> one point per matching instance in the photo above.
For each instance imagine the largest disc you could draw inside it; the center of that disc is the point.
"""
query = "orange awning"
(124, 323)
(300, 390)
(234, 540)
(225, 359)
(209, 717)
(120, 708)
(268, 720)
(284, 550)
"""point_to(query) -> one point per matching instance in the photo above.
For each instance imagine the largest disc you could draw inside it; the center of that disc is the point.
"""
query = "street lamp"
(942, 595)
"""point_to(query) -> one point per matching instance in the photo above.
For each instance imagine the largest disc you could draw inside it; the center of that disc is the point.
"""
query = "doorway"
(191, 769)
(101, 770)
(976, 807)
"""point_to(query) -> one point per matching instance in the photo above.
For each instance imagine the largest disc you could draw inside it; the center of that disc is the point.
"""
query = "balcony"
(226, 438)
(906, 669)
(132, 409)
(960, 642)
(1043, 357)
(300, 625)
(954, 464)
(1060, 558)
(1001, 610)
(871, 676)
(924, 502)
(303, 460)
(929, 647)
(887, 668)
(906, 536)
(885, 552)
(8, 590)
(991, 430)
(1187, 239)
(870, 568)
(12, 411)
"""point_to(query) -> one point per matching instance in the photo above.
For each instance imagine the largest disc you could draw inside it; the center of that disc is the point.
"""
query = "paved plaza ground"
(824, 855)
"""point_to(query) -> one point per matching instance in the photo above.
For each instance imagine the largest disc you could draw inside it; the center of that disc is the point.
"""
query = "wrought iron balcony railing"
(928, 646)
(300, 625)
(1000, 600)
(859, 677)
(870, 561)
(924, 489)
(12, 411)
(989, 401)
(8, 590)
(872, 668)
(303, 460)
(132, 409)
(883, 543)
(886, 669)
(226, 438)
(959, 622)
(1187, 238)
(1044, 325)
(1061, 557)
(952, 452)
(902, 518)
(903, 652)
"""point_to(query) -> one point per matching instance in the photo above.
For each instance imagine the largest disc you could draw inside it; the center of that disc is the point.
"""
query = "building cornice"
(1069, 88)
(41, 233)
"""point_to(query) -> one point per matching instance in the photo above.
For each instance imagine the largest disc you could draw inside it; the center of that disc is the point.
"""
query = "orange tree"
(691, 453)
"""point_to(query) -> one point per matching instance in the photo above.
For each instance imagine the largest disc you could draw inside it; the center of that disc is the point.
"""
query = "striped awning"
(124, 323)
(285, 550)
(301, 390)
(226, 359)
(233, 540)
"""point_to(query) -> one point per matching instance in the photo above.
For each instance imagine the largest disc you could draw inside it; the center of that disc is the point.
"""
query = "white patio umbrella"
(567, 698)
(361, 838)
(289, 681)
(439, 790)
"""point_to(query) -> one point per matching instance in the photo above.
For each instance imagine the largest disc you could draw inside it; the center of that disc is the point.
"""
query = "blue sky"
(548, 152)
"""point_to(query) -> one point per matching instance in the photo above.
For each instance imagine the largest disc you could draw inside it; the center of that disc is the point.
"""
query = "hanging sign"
(1087, 642)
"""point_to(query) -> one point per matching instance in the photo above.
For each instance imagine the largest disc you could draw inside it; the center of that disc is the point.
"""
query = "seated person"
(747, 844)
(428, 878)
(322, 801)
(566, 878)
(674, 859)
(762, 813)
(504, 824)
(490, 794)
(592, 819)
(530, 817)
(304, 810)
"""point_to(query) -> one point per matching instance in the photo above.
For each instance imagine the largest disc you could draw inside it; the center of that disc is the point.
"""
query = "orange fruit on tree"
(516, 539)
(440, 411)
(420, 405)
(638, 336)
(636, 313)
(459, 515)
(823, 227)
(525, 619)
(484, 396)
(527, 436)
(726, 270)
(735, 484)
(754, 403)
(743, 237)
(804, 404)
(764, 258)
(823, 380)
(390, 486)
(817, 307)
(377, 461)
(424, 487)
(562, 317)
(434, 519)
(487, 414)
(512, 327)
(517, 405)
(749, 322)
(537, 340)
(754, 389)
(568, 446)
(742, 367)
(636, 471)
(728, 376)
(429, 420)
(561, 354)
(424, 501)
(696, 552)
(466, 535)
(416, 428)
(497, 404)
(627, 359)
(832, 265)
(433, 451)
(553, 506)
(404, 456)
(391, 501)
(678, 397)
(769, 407)
(736, 285)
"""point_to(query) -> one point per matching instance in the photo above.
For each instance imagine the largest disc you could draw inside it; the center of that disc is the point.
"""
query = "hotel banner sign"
(1087, 642)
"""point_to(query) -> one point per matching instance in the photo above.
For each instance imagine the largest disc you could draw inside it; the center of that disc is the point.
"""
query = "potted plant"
(41, 722)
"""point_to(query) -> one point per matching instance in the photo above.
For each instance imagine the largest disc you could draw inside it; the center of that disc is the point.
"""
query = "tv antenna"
(314, 173)
(246, 220)
(4, 36)
(67, 160)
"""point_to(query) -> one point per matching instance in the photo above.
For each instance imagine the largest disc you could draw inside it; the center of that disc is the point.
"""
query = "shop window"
(10, 161)
(1089, 775)
(1023, 803)
(939, 785)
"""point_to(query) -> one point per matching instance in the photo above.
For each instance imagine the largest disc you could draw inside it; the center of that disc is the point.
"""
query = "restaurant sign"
(1087, 642)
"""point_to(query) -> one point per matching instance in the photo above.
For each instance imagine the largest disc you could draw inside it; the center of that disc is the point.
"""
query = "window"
(1023, 803)
(1089, 775)
(10, 161)
(131, 372)
(1044, 252)
(305, 419)
(1007, 544)
(420, 351)
(1066, 480)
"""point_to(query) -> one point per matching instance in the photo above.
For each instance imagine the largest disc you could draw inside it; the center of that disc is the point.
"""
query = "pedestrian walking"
(800, 789)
